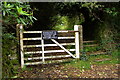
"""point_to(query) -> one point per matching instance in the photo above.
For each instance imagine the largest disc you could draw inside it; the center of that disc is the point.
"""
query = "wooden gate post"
(81, 37)
(78, 39)
(20, 39)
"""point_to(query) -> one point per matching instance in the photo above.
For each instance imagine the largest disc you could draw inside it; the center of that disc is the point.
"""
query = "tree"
(16, 13)
(99, 20)
(13, 13)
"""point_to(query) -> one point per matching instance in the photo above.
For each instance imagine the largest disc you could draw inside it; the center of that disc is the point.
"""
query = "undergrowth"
(8, 49)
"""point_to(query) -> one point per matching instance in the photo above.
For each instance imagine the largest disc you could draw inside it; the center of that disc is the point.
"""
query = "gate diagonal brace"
(63, 48)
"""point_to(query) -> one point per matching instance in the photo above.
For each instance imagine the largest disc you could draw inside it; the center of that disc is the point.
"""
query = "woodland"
(100, 21)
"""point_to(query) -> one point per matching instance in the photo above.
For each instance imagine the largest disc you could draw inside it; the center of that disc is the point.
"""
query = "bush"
(108, 40)
(8, 49)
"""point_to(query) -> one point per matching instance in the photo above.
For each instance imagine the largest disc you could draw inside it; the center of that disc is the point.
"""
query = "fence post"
(81, 37)
(20, 39)
(78, 39)
(17, 32)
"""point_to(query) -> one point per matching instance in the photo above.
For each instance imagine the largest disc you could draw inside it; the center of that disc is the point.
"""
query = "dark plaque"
(49, 35)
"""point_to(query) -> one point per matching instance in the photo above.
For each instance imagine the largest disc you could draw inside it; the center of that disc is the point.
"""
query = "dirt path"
(61, 71)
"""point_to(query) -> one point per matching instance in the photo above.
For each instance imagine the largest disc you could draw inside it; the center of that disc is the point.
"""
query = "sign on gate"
(49, 35)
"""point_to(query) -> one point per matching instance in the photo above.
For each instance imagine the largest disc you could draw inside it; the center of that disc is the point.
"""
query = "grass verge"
(96, 59)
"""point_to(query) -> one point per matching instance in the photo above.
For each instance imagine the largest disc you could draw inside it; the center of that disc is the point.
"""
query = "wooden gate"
(36, 53)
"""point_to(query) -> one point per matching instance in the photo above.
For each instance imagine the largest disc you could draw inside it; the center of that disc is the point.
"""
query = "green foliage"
(8, 49)
(107, 37)
(74, 6)
(70, 14)
(112, 11)
(67, 22)
(13, 13)
(108, 30)
(20, 12)
(61, 22)
(91, 49)
(116, 54)
(84, 56)
(24, 68)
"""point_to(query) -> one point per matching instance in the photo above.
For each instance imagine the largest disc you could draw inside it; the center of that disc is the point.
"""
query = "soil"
(63, 71)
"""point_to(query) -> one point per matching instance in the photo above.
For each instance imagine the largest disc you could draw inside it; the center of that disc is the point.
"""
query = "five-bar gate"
(34, 49)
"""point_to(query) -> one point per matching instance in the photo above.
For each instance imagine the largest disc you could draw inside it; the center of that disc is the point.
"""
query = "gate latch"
(49, 35)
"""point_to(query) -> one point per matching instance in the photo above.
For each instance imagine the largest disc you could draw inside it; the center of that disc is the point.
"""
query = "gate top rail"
(50, 30)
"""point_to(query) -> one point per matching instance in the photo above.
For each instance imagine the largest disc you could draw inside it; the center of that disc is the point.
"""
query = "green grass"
(80, 64)
(92, 60)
